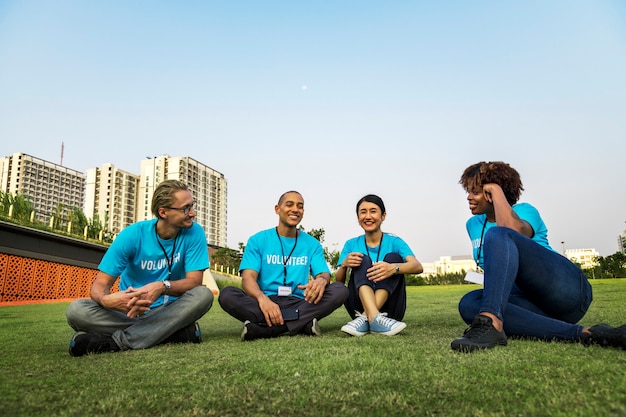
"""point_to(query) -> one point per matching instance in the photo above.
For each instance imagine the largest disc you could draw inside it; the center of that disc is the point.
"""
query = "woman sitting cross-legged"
(377, 287)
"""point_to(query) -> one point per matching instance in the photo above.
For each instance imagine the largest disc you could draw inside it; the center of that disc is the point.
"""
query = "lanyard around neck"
(170, 259)
(380, 244)
(282, 251)
(480, 246)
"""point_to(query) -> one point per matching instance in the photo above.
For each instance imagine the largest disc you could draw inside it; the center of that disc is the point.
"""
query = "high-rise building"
(621, 242)
(583, 257)
(208, 186)
(46, 185)
(118, 198)
(111, 196)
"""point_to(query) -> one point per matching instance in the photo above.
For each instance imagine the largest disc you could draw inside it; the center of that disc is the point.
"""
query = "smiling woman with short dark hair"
(378, 261)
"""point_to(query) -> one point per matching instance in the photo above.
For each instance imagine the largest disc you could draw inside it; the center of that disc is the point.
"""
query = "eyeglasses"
(185, 210)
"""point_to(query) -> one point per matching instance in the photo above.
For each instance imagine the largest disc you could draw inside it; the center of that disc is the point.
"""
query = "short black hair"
(374, 199)
(280, 200)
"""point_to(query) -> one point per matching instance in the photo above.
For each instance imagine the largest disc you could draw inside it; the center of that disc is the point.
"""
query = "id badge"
(475, 277)
(284, 291)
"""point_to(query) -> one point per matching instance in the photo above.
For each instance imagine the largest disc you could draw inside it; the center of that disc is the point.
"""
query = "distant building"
(621, 242)
(449, 265)
(583, 257)
(111, 195)
(45, 184)
(208, 186)
(118, 198)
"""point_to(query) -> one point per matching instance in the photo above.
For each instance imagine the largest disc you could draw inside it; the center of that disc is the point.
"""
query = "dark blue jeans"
(535, 291)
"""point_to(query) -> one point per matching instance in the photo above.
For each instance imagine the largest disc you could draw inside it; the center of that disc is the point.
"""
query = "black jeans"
(241, 306)
(395, 306)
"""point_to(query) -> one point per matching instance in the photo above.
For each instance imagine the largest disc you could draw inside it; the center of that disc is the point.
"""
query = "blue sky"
(335, 99)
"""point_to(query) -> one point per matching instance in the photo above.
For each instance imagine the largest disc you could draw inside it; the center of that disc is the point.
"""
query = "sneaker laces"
(384, 320)
(359, 320)
(477, 329)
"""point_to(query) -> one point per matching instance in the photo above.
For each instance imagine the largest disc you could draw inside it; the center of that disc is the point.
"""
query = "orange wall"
(27, 280)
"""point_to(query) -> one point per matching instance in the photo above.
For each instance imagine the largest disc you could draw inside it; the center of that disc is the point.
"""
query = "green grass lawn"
(412, 374)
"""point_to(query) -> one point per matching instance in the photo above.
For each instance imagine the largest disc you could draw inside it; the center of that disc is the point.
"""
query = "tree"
(332, 257)
(57, 215)
(4, 202)
(22, 207)
(227, 257)
(612, 266)
(316, 233)
(78, 219)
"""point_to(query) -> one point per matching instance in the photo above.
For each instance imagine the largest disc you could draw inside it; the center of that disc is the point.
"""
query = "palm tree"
(22, 207)
(57, 215)
(4, 202)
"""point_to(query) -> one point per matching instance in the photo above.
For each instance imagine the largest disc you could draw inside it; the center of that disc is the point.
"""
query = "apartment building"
(583, 257)
(111, 196)
(449, 265)
(208, 186)
(118, 198)
(45, 184)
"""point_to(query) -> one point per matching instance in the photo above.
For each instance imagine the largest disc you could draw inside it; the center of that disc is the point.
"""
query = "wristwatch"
(397, 269)
(167, 284)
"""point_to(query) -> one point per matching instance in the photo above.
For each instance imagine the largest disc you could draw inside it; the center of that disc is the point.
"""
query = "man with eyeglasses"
(278, 297)
(160, 263)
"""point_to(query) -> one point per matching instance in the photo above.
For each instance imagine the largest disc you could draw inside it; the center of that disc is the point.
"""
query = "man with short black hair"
(277, 296)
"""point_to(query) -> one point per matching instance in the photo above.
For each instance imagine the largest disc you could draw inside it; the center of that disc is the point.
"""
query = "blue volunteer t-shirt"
(391, 244)
(266, 252)
(138, 259)
(525, 211)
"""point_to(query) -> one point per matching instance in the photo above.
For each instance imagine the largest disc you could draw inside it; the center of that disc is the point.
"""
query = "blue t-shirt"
(391, 244)
(138, 259)
(525, 212)
(266, 253)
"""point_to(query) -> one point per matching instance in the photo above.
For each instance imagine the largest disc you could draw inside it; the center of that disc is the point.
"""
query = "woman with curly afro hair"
(530, 290)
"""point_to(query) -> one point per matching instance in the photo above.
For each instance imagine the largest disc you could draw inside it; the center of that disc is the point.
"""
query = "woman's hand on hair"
(490, 189)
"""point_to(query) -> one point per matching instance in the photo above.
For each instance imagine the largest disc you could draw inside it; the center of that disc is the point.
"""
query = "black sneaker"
(605, 336)
(480, 335)
(252, 331)
(83, 343)
(189, 334)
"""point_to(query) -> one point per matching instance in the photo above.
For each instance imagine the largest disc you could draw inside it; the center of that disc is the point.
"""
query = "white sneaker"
(357, 327)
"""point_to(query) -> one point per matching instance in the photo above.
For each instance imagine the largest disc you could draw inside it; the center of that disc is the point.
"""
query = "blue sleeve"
(197, 252)
(349, 247)
(401, 247)
(344, 252)
(530, 214)
(527, 212)
(318, 261)
(121, 252)
(252, 255)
